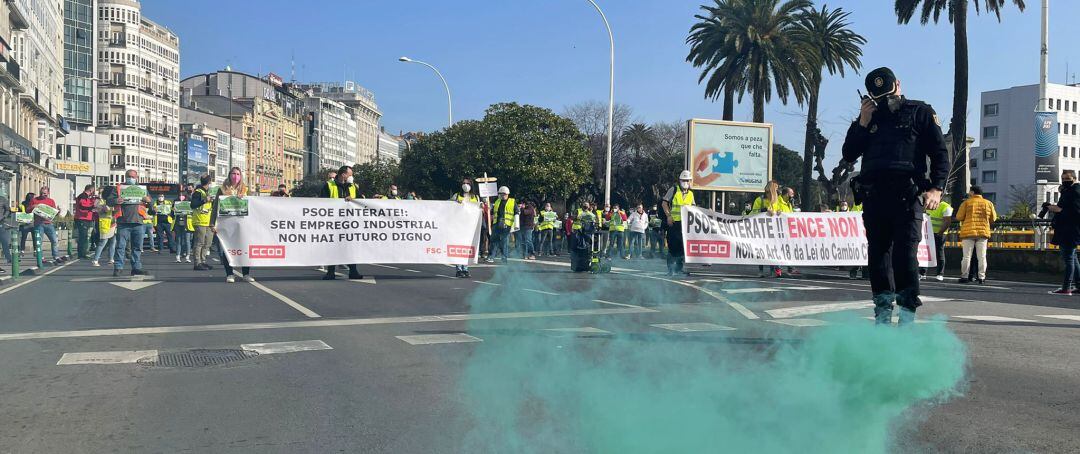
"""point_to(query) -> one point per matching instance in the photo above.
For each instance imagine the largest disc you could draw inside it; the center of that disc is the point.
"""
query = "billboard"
(1046, 147)
(729, 155)
(198, 159)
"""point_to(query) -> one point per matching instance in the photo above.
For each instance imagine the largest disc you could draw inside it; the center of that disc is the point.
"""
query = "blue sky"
(553, 53)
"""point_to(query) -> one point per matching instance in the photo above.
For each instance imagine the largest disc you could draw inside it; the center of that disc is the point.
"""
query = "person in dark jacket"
(1067, 230)
(84, 219)
(129, 227)
(342, 187)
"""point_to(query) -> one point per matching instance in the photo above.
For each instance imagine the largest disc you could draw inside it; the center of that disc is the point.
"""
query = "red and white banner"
(795, 239)
(301, 231)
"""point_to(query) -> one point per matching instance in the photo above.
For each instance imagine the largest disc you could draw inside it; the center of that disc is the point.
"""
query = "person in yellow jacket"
(106, 225)
(201, 207)
(771, 204)
(975, 215)
(548, 222)
(673, 201)
(164, 221)
(502, 215)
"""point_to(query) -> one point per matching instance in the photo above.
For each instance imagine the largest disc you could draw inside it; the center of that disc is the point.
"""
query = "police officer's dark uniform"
(901, 136)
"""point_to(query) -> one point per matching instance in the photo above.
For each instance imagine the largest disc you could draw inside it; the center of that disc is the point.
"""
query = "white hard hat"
(504, 190)
(685, 175)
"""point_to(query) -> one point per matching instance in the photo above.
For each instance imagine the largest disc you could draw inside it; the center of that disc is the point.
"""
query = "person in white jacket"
(639, 222)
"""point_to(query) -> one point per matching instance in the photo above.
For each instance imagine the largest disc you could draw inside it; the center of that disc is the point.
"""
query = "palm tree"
(747, 46)
(638, 137)
(830, 45)
(957, 16)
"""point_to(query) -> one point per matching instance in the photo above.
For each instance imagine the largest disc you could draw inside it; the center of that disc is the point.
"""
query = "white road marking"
(486, 283)
(384, 266)
(136, 278)
(411, 271)
(738, 307)
(548, 262)
(1075, 318)
(366, 280)
(135, 285)
(582, 330)
(896, 319)
(117, 357)
(316, 323)
(616, 304)
(20, 284)
(801, 322)
(271, 348)
(428, 339)
(993, 318)
(284, 299)
(446, 276)
(799, 311)
(692, 327)
(773, 289)
(540, 291)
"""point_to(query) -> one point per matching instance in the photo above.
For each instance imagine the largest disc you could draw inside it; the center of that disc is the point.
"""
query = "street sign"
(489, 189)
(729, 156)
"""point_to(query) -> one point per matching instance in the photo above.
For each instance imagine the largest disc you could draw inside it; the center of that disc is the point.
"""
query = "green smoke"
(840, 388)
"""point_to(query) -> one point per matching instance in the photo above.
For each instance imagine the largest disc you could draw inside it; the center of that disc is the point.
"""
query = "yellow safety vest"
(105, 220)
(617, 223)
(200, 217)
(582, 216)
(332, 186)
(170, 215)
(776, 207)
(472, 198)
(508, 214)
(548, 220)
(677, 202)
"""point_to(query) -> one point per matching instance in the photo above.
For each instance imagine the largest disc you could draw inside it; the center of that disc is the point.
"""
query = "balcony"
(10, 75)
(17, 17)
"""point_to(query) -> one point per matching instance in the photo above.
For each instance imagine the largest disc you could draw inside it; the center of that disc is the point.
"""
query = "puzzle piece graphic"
(725, 164)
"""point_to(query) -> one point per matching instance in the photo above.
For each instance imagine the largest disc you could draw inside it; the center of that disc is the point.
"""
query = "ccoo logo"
(457, 250)
(708, 248)
(266, 252)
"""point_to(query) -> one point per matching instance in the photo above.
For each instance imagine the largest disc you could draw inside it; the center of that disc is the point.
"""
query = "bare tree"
(1022, 200)
(591, 118)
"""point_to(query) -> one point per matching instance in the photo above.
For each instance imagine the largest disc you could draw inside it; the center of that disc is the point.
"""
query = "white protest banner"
(297, 231)
(788, 239)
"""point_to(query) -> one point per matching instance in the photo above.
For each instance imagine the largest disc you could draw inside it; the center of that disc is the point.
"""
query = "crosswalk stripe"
(993, 318)
(540, 291)
(270, 348)
(429, 339)
(772, 289)
(115, 357)
(692, 327)
(1075, 318)
(802, 322)
(798, 311)
(581, 330)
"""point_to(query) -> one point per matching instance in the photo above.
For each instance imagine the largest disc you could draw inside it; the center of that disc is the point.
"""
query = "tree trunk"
(729, 102)
(759, 105)
(808, 145)
(958, 124)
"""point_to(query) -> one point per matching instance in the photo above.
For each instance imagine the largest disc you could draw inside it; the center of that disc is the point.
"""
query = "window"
(990, 132)
(992, 197)
(989, 176)
(1059, 104)
(1049, 103)
(990, 110)
(1074, 129)
(974, 164)
(989, 154)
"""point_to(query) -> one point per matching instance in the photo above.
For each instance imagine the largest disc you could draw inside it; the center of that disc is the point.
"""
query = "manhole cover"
(198, 358)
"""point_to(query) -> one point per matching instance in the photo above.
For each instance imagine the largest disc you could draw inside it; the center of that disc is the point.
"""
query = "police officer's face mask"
(890, 103)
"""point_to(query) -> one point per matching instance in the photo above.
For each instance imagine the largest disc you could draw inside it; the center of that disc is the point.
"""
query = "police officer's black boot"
(353, 273)
(883, 307)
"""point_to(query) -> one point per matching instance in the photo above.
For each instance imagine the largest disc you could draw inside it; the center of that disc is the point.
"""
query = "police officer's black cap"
(880, 82)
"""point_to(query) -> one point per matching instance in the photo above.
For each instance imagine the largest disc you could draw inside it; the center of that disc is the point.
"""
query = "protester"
(232, 187)
(148, 226)
(790, 206)
(85, 203)
(568, 230)
(843, 207)
(673, 201)
(282, 191)
(201, 211)
(462, 197)
(656, 232)
(638, 223)
(163, 212)
(106, 226)
(1067, 230)
(342, 187)
(25, 229)
(485, 230)
(412, 196)
(502, 214)
(548, 219)
(527, 220)
(771, 204)
(604, 226)
(617, 233)
(7, 219)
(129, 229)
(975, 216)
(44, 227)
(183, 229)
(940, 218)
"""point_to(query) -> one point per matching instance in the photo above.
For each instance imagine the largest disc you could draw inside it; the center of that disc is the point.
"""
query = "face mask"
(891, 102)
(1067, 183)
(684, 184)
(393, 192)
(130, 180)
(235, 179)
(349, 180)
(466, 188)
(160, 199)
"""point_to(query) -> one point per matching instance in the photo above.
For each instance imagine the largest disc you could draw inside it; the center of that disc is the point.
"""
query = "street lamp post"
(611, 104)
(449, 102)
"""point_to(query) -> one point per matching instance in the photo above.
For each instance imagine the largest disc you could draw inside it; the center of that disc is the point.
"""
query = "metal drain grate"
(199, 358)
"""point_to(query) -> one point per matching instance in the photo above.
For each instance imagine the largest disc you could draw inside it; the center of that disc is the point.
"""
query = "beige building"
(361, 105)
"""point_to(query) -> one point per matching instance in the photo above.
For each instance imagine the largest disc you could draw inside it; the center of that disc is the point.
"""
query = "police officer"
(895, 137)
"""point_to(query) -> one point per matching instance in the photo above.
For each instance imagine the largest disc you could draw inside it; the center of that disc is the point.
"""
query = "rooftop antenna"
(292, 63)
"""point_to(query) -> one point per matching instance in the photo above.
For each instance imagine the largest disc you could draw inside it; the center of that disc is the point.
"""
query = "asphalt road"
(377, 365)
